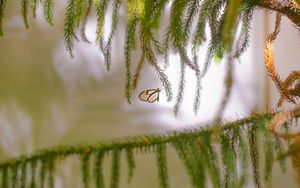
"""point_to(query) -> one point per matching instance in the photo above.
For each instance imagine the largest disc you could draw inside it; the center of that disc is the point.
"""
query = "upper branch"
(287, 9)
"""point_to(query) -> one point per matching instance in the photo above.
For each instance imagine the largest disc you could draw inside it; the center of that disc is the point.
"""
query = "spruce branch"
(197, 98)
(195, 147)
(181, 88)
(101, 8)
(115, 19)
(282, 8)
(69, 33)
(24, 11)
(83, 25)
(115, 169)
(131, 163)
(98, 165)
(162, 166)
(252, 136)
(33, 174)
(2, 8)
(85, 160)
(228, 89)
(33, 5)
(48, 10)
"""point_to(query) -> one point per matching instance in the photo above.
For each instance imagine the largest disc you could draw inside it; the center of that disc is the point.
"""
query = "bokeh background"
(48, 98)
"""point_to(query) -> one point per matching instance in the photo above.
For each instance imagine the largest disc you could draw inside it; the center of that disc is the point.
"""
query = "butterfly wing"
(143, 96)
(153, 97)
(150, 95)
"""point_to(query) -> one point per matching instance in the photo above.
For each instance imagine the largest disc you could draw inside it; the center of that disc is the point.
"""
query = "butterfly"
(150, 95)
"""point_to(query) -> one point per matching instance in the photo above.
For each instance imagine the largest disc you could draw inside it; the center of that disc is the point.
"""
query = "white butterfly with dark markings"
(150, 95)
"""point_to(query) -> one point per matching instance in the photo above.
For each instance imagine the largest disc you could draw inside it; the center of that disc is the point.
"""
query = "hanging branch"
(228, 89)
(196, 148)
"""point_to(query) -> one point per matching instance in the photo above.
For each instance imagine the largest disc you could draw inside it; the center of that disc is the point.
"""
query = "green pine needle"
(197, 98)
(48, 10)
(2, 8)
(138, 71)
(43, 172)
(69, 25)
(129, 46)
(181, 88)
(268, 149)
(84, 22)
(279, 149)
(192, 10)
(254, 155)
(98, 175)
(23, 174)
(33, 5)
(24, 11)
(85, 160)
(115, 169)
(176, 22)
(51, 169)
(243, 156)
(130, 163)
(33, 174)
(200, 36)
(210, 159)
(81, 8)
(193, 163)
(229, 161)
(4, 183)
(232, 14)
(243, 41)
(161, 158)
(14, 176)
(115, 19)
(101, 7)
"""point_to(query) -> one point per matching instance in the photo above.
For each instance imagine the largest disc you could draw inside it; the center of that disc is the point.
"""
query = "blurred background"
(48, 98)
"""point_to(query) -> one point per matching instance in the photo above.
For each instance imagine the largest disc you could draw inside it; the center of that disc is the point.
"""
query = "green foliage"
(229, 160)
(23, 174)
(252, 136)
(14, 176)
(4, 174)
(181, 88)
(69, 33)
(162, 166)
(243, 40)
(85, 160)
(115, 168)
(143, 24)
(85, 19)
(48, 10)
(2, 8)
(33, 5)
(24, 11)
(191, 161)
(98, 176)
(208, 154)
(232, 13)
(115, 19)
(243, 156)
(101, 7)
(33, 174)
(197, 98)
(43, 172)
(130, 162)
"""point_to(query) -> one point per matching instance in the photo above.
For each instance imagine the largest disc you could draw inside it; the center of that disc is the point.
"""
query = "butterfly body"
(150, 95)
